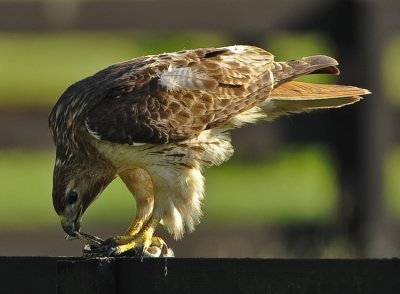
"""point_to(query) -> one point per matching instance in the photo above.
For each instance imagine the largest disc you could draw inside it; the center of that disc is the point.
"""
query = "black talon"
(142, 252)
(164, 250)
(110, 251)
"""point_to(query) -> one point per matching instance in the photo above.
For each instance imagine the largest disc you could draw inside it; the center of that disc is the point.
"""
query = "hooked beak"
(72, 226)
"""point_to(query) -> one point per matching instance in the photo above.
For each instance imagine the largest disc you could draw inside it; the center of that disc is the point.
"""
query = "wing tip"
(317, 60)
(323, 64)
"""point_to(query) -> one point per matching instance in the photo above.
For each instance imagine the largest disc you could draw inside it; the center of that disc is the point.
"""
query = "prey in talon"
(90, 240)
(97, 247)
(92, 244)
(157, 121)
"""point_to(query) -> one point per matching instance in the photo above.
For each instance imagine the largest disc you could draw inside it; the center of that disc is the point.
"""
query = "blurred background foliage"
(38, 67)
(289, 184)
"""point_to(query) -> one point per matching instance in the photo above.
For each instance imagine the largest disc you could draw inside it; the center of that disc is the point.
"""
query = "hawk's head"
(77, 181)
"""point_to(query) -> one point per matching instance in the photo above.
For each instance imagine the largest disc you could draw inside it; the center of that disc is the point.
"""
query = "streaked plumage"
(157, 121)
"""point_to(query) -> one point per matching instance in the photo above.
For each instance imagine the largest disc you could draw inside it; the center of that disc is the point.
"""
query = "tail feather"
(296, 97)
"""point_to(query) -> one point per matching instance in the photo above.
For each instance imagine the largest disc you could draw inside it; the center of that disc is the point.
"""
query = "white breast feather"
(177, 180)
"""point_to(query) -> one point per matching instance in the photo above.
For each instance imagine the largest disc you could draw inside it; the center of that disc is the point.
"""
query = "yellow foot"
(142, 244)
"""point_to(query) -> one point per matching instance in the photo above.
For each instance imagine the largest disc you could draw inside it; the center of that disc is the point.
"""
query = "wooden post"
(202, 275)
(363, 214)
(379, 23)
(76, 275)
(376, 23)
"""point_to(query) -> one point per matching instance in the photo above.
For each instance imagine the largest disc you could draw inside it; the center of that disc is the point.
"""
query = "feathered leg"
(139, 184)
(139, 235)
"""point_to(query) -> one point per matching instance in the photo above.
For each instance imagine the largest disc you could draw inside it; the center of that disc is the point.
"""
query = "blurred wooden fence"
(131, 275)
(360, 28)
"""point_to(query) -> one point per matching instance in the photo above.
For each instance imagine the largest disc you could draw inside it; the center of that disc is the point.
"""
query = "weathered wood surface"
(200, 275)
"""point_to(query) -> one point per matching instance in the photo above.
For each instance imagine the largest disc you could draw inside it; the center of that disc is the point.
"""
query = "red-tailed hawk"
(157, 121)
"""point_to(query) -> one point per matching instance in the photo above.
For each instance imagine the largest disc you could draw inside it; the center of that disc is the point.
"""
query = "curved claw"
(159, 243)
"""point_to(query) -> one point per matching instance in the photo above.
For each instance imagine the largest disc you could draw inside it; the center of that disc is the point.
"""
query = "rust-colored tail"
(295, 97)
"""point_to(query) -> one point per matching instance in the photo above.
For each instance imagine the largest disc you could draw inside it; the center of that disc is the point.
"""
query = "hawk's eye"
(72, 197)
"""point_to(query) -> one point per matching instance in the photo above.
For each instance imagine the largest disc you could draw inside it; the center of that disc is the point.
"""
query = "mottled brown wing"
(172, 97)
